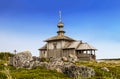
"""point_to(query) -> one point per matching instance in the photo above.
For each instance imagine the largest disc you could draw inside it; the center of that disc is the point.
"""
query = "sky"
(25, 24)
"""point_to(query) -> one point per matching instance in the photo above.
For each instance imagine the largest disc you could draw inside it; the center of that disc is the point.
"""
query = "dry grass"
(6, 71)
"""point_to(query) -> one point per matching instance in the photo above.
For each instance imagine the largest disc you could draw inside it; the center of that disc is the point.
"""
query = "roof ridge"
(79, 44)
(60, 38)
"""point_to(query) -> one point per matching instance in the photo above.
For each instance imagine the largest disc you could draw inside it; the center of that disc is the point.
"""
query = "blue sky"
(24, 24)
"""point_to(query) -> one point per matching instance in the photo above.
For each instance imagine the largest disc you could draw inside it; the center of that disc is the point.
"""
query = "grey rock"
(25, 60)
(79, 71)
(72, 58)
(21, 60)
(36, 58)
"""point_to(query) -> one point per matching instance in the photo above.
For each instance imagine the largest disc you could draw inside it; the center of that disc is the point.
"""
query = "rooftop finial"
(60, 16)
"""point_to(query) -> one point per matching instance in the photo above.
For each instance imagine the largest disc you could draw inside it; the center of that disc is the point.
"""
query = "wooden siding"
(55, 53)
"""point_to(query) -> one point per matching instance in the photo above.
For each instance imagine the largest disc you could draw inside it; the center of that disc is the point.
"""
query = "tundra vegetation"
(105, 69)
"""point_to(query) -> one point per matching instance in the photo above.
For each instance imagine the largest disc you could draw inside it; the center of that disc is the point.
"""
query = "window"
(55, 45)
(44, 52)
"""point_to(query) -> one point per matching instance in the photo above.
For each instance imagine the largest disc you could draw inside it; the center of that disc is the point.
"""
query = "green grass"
(101, 74)
(36, 73)
(43, 73)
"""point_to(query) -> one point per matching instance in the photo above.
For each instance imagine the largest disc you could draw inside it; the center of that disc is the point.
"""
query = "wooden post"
(86, 51)
(94, 52)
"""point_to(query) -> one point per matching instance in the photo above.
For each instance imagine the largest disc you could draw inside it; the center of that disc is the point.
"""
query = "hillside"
(107, 69)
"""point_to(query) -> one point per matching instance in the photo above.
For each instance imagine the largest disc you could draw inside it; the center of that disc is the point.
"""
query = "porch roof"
(85, 46)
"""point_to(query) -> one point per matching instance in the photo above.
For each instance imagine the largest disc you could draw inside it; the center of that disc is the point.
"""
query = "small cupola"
(60, 26)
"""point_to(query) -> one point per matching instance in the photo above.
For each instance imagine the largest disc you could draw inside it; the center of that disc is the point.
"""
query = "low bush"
(44, 59)
(5, 55)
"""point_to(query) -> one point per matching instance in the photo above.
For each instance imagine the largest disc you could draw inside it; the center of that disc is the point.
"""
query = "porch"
(86, 54)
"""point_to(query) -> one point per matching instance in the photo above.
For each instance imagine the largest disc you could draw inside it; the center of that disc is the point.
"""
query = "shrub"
(44, 60)
(5, 55)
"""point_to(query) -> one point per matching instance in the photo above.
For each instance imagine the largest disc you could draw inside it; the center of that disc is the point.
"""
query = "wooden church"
(62, 46)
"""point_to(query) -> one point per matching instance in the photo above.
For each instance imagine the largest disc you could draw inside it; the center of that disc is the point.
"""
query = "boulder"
(79, 71)
(25, 60)
(21, 60)
(72, 58)
(70, 69)
(58, 70)
(64, 59)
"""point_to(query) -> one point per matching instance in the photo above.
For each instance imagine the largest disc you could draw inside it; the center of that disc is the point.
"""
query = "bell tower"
(60, 26)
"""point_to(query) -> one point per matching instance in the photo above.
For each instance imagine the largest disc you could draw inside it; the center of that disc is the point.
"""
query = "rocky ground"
(62, 65)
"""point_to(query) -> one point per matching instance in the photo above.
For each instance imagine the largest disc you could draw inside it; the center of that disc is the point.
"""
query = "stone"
(79, 71)
(5, 64)
(21, 60)
(36, 58)
(72, 58)
(64, 59)
(105, 69)
(25, 60)
(59, 70)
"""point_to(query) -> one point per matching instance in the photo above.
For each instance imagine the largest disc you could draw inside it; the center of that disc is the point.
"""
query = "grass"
(37, 73)
(114, 72)
(10, 72)
(43, 73)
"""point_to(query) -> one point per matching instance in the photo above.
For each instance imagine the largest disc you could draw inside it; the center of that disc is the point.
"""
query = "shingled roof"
(79, 45)
(44, 47)
(58, 37)
(72, 45)
(85, 46)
